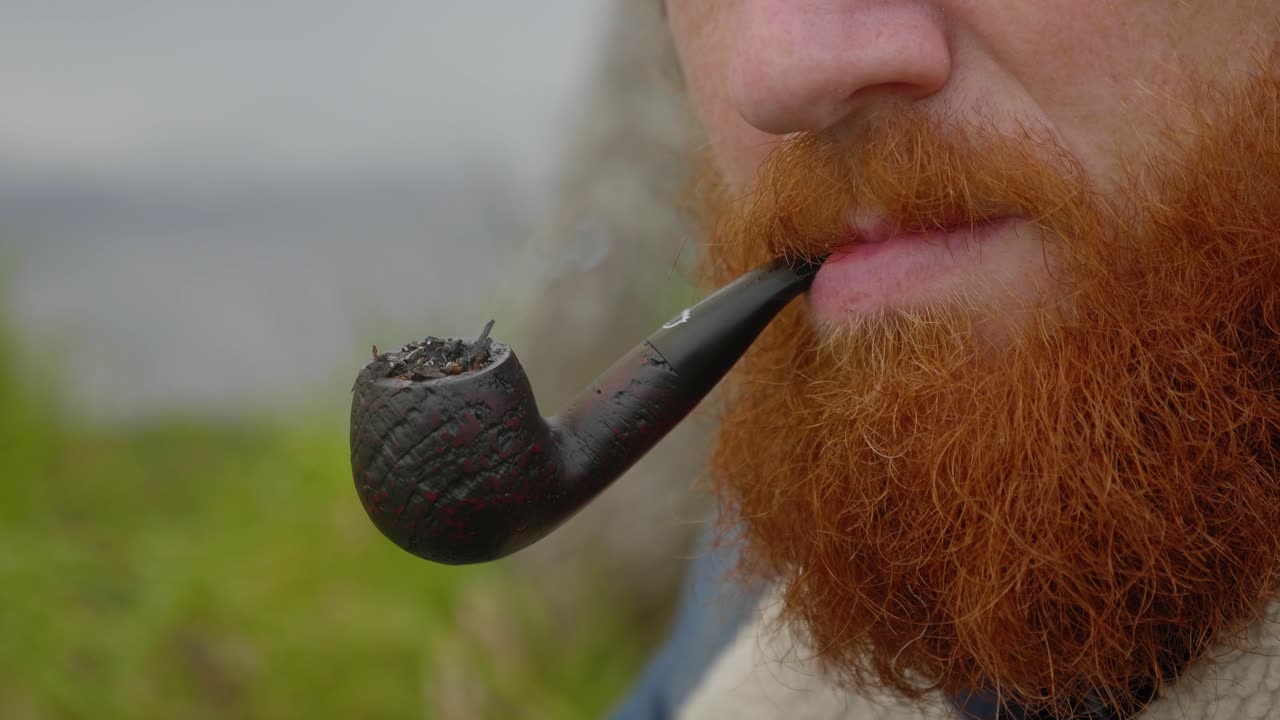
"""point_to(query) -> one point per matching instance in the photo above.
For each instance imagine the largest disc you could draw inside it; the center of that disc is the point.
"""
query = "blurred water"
(218, 206)
(162, 299)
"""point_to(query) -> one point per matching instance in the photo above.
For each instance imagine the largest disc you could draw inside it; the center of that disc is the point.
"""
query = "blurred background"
(208, 213)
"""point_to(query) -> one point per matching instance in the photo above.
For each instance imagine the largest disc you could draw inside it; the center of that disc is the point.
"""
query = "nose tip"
(805, 66)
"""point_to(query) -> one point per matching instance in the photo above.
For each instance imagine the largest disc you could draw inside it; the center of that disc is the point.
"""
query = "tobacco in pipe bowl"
(459, 466)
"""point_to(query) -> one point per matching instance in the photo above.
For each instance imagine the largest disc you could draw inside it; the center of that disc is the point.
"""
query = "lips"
(884, 269)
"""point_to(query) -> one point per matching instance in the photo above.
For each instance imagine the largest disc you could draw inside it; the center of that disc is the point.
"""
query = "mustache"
(912, 172)
(1093, 505)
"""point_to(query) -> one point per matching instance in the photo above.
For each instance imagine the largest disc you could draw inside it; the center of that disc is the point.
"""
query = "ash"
(430, 358)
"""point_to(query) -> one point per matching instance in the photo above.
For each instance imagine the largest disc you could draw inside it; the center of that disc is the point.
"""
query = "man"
(1018, 454)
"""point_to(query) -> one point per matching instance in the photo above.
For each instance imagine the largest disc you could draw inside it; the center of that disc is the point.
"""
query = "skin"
(1096, 75)
(1095, 506)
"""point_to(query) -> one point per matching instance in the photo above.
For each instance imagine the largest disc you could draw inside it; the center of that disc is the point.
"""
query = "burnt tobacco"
(431, 358)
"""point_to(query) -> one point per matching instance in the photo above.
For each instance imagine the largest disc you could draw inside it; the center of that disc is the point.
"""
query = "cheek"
(1106, 76)
(1075, 67)
(739, 151)
(703, 33)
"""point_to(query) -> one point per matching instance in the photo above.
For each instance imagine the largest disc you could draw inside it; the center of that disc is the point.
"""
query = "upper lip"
(859, 228)
(875, 229)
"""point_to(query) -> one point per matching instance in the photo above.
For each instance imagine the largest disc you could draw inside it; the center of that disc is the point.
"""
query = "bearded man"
(1018, 453)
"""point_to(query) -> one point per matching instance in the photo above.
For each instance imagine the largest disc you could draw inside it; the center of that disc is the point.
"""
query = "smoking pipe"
(463, 469)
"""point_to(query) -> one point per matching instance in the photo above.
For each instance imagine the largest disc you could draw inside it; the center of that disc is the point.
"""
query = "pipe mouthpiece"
(462, 468)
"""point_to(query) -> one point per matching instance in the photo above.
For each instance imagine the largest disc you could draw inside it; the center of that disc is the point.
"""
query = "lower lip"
(902, 271)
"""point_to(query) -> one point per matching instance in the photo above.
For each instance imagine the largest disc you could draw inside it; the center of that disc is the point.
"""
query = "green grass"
(193, 569)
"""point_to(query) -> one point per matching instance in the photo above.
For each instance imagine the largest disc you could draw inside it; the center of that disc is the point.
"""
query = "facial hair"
(1090, 503)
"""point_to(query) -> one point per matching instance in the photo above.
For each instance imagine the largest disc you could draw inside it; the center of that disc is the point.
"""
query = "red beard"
(1092, 503)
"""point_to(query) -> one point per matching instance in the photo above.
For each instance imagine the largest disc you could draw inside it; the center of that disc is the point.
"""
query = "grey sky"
(286, 86)
(197, 189)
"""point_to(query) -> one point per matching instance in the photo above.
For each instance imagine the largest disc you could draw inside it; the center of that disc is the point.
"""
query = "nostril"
(891, 90)
(798, 67)
(884, 97)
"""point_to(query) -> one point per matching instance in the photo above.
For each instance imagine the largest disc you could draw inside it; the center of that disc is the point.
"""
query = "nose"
(805, 65)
